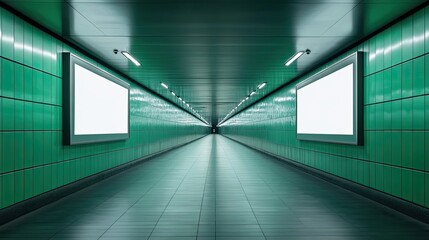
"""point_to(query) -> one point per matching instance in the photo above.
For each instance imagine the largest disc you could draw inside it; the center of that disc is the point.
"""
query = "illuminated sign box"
(329, 104)
(95, 103)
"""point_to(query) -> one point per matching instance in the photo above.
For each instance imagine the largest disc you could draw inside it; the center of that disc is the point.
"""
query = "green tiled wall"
(395, 155)
(32, 157)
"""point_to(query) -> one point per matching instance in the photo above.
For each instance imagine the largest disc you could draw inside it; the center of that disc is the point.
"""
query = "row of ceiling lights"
(260, 86)
(185, 103)
(133, 60)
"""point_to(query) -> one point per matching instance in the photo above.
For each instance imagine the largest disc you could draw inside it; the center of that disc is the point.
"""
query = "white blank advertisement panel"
(101, 106)
(326, 105)
(329, 104)
(96, 104)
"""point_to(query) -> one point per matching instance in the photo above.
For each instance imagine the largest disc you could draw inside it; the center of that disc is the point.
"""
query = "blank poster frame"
(357, 137)
(69, 136)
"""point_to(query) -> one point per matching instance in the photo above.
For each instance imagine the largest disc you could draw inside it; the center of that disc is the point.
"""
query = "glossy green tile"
(371, 88)
(19, 150)
(379, 57)
(407, 39)
(19, 81)
(426, 191)
(47, 148)
(38, 90)
(28, 149)
(379, 88)
(387, 84)
(397, 82)
(28, 42)
(372, 56)
(418, 114)
(418, 187)
(407, 114)
(387, 179)
(407, 79)
(418, 151)
(18, 32)
(8, 78)
(7, 40)
(47, 178)
(28, 84)
(379, 149)
(8, 189)
(7, 114)
(427, 73)
(37, 180)
(426, 151)
(38, 116)
(28, 183)
(418, 76)
(37, 49)
(407, 184)
(47, 48)
(37, 148)
(407, 150)
(379, 116)
(388, 48)
(372, 175)
(8, 151)
(19, 186)
(396, 43)
(387, 147)
(426, 117)
(396, 181)
(19, 115)
(426, 10)
(387, 116)
(419, 33)
(379, 185)
(396, 115)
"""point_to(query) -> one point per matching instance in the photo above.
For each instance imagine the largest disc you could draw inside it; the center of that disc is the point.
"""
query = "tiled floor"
(214, 188)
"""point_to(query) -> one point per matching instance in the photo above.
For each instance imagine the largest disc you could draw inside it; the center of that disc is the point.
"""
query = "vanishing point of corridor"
(214, 188)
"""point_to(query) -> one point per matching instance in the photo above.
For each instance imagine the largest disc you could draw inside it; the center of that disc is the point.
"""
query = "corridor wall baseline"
(395, 156)
(33, 159)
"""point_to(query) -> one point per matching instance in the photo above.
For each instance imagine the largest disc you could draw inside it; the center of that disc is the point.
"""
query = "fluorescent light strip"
(262, 85)
(294, 57)
(252, 93)
(173, 93)
(164, 85)
(131, 58)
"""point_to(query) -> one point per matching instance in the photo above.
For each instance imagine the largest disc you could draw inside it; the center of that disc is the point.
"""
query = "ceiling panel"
(213, 53)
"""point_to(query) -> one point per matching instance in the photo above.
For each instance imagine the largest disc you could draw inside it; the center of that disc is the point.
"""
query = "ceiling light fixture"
(173, 93)
(252, 93)
(131, 58)
(296, 56)
(164, 85)
(262, 85)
